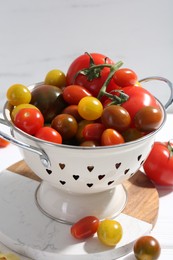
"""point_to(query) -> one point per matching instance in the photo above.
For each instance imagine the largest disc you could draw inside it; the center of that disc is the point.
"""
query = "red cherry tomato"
(111, 137)
(73, 94)
(93, 132)
(49, 134)
(125, 77)
(85, 227)
(92, 83)
(30, 120)
(159, 164)
(3, 143)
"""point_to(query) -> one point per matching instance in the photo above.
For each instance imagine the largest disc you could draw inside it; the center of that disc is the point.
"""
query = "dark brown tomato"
(49, 100)
(116, 117)
(148, 118)
(79, 135)
(90, 143)
(66, 125)
(72, 110)
(131, 134)
(147, 248)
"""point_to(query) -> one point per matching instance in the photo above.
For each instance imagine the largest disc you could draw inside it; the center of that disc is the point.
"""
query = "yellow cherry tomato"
(109, 232)
(9, 256)
(55, 78)
(18, 94)
(90, 108)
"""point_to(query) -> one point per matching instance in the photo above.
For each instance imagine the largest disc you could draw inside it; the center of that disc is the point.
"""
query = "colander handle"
(43, 156)
(168, 82)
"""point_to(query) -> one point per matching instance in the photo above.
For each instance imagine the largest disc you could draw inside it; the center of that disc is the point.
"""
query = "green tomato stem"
(170, 148)
(115, 99)
(94, 71)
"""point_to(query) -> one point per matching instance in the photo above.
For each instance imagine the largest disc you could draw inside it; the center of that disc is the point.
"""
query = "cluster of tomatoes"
(110, 232)
(96, 103)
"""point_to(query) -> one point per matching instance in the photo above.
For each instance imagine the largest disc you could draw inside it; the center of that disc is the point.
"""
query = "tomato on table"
(147, 248)
(159, 164)
(110, 232)
(85, 227)
(94, 80)
(3, 143)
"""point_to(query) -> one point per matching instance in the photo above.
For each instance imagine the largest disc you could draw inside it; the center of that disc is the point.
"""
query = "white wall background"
(39, 35)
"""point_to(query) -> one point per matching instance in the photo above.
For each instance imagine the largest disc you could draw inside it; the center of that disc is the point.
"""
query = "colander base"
(67, 207)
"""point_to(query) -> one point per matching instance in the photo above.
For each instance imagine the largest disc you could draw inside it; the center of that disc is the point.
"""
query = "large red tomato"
(159, 164)
(138, 98)
(94, 80)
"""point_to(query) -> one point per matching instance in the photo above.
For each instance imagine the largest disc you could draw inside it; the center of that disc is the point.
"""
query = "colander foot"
(67, 207)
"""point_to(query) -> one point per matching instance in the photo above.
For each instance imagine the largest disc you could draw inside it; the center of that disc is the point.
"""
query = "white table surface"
(39, 35)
